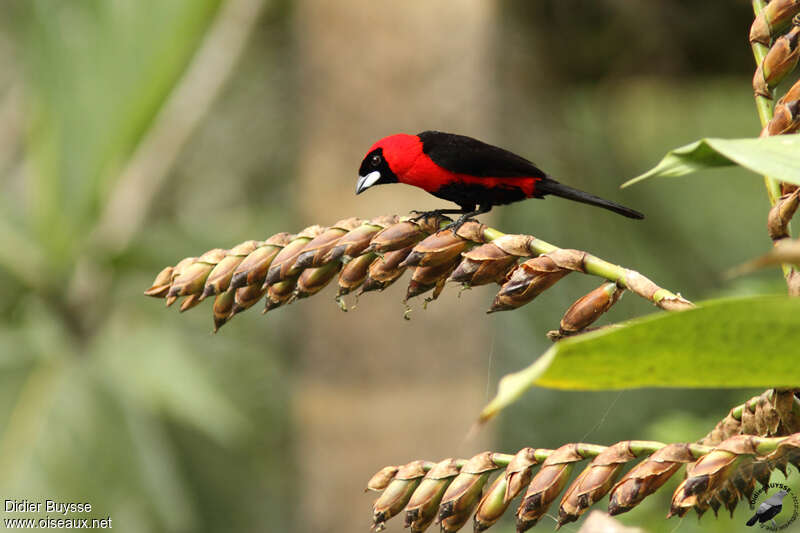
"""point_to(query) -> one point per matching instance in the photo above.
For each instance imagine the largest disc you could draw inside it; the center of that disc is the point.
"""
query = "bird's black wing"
(465, 155)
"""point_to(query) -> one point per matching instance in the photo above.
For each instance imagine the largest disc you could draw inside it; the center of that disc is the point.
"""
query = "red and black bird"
(471, 173)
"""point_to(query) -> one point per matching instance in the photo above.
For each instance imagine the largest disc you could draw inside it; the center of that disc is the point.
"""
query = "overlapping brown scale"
(784, 404)
(280, 293)
(385, 270)
(425, 278)
(588, 308)
(223, 308)
(464, 492)
(594, 481)
(775, 16)
(546, 485)
(313, 280)
(284, 266)
(787, 451)
(354, 273)
(189, 302)
(647, 477)
(725, 428)
(535, 276)
(397, 493)
(395, 237)
(161, 284)
(355, 241)
(487, 263)
(381, 479)
(437, 249)
(253, 268)
(424, 503)
(505, 488)
(781, 214)
(785, 119)
(246, 297)
(768, 411)
(728, 497)
(780, 60)
(219, 279)
(710, 472)
(315, 254)
(192, 278)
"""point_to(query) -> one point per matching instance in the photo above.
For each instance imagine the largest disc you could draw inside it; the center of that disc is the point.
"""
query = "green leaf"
(777, 157)
(743, 342)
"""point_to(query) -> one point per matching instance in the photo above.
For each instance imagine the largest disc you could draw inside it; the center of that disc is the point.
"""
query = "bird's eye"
(376, 160)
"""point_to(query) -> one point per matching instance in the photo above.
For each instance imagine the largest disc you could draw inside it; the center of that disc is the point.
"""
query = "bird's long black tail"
(551, 186)
(753, 520)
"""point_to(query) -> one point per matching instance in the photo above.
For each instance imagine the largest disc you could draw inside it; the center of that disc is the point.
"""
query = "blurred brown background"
(133, 134)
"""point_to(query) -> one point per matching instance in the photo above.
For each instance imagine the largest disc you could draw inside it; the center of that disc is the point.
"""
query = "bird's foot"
(427, 214)
(455, 226)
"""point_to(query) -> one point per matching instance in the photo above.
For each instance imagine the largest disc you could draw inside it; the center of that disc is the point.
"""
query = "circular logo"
(774, 508)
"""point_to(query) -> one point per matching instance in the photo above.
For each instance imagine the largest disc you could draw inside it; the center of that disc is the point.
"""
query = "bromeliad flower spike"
(370, 255)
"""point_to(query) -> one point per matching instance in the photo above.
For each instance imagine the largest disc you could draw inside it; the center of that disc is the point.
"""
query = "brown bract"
(787, 451)
(253, 268)
(528, 281)
(160, 286)
(781, 58)
(280, 293)
(437, 249)
(781, 214)
(219, 279)
(354, 273)
(424, 503)
(594, 482)
(397, 493)
(222, 308)
(192, 278)
(775, 16)
(710, 473)
(395, 237)
(385, 270)
(317, 249)
(425, 278)
(487, 263)
(246, 297)
(313, 280)
(546, 485)
(505, 488)
(588, 308)
(647, 477)
(464, 493)
(785, 119)
(380, 480)
(283, 266)
(355, 241)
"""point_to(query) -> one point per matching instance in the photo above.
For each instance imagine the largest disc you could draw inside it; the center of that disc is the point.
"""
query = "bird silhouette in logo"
(769, 509)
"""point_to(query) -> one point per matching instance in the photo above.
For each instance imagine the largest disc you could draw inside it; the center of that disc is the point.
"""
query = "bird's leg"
(467, 215)
(773, 524)
(435, 213)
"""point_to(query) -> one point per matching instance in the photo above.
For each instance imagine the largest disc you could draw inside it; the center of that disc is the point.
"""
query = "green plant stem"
(764, 106)
(765, 445)
(638, 448)
(624, 277)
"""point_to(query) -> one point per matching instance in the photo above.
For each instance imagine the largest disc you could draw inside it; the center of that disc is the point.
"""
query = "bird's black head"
(374, 171)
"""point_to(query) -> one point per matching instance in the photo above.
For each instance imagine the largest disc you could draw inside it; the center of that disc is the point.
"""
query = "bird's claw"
(455, 226)
(425, 215)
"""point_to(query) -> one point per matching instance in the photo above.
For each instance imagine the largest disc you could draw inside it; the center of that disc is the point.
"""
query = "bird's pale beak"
(365, 182)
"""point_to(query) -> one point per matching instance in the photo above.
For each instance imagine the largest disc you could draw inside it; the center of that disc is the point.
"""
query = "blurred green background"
(136, 133)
